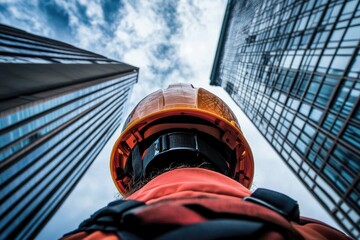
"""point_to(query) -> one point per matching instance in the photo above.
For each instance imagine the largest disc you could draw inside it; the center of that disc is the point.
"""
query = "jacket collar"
(190, 182)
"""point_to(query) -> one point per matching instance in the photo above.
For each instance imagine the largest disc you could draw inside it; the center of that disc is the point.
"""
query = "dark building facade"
(293, 67)
(59, 106)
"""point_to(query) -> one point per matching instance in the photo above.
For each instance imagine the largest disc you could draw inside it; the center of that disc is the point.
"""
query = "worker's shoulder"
(265, 214)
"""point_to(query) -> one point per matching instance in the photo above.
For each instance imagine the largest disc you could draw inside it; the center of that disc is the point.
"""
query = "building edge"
(219, 49)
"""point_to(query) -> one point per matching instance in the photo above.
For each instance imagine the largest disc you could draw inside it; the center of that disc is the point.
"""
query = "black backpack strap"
(109, 219)
(120, 218)
(217, 229)
(278, 202)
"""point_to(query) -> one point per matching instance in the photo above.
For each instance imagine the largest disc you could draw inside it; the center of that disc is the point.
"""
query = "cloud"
(55, 16)
(24, 15)
(168, 11)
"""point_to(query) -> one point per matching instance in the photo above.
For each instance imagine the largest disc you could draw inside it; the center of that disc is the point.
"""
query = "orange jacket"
(187, 184)
(190, 182)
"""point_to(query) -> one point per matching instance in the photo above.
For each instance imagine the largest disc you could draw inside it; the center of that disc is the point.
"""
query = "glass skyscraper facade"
(54, 120)
(293, 67)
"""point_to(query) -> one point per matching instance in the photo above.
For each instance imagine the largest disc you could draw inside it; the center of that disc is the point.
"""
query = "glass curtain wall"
(55, 118)
(45, 152)
(293, 67)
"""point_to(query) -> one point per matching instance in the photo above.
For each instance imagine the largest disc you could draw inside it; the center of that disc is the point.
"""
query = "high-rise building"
(54, 120)
(293, 67)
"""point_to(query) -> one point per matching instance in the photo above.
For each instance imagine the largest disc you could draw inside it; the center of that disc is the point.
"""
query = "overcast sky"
(171, 41)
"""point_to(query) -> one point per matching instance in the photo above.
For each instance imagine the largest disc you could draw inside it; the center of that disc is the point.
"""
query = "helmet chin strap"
(185, 147)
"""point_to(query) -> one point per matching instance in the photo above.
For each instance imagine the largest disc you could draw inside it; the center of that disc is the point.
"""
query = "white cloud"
(200, 37)
(94, 12)
(24, 17)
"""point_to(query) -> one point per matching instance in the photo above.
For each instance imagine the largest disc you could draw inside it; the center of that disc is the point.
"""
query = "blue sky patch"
(56, 17)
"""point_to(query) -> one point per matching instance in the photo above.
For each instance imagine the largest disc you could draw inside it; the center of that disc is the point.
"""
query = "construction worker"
(185, 170)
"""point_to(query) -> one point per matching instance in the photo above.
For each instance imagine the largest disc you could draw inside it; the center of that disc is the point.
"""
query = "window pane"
(352, 33)
(339, 64)
(352, 136)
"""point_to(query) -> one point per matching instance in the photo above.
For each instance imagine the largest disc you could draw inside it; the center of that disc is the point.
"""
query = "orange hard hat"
(185, 109)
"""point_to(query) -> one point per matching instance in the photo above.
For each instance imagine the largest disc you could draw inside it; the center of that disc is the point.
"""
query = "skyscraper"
(293, 67)
(54, 120)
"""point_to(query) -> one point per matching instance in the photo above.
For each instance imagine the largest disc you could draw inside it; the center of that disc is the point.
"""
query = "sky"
(170, 41)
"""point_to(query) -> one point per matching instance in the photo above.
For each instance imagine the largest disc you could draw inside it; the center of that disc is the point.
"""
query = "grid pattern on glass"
(41, 147)
(41, 158)
(64, 173)
(75, 153)
(29, 131)
(52, 167)
(54, 200)
(20, 46)
(293, 68)
(28, 112)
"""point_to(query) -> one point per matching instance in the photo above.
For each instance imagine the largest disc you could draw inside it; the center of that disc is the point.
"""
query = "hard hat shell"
(211, 114)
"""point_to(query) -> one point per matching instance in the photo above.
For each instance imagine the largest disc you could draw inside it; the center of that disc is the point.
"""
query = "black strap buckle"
(278, 202)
